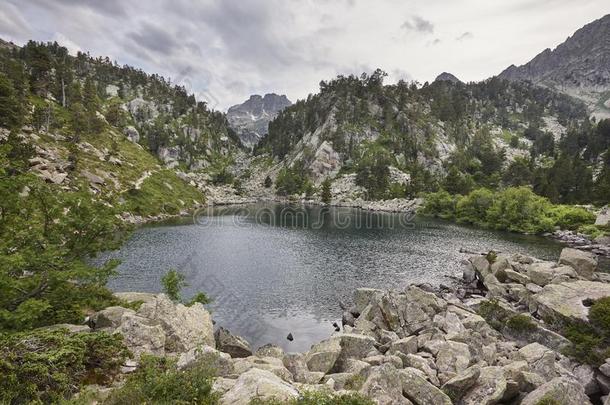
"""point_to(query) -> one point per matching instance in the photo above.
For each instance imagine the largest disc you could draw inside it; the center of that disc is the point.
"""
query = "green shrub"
(440, 204)
(157, 381)
(319, 398)
(173, 282)
(521, 324)
(50, 365)
(473, 207)
(518, 209)
(493, 313)
(592, 231)
(201, 298)
(572, 218)
(599, 316)
(585, 345)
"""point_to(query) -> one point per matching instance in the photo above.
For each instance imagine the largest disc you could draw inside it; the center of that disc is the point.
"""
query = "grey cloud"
(155, 39)
(12, 22)
(418, 24)
(465, 35)
(108, 7)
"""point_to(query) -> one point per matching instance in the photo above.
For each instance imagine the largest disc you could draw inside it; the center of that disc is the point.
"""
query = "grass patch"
(162, 192)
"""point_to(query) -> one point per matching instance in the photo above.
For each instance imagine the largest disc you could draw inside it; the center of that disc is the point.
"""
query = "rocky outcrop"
(159, 326)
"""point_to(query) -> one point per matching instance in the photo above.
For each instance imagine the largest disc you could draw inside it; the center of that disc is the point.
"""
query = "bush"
(521, 324)
(473, 207)
(518, 209)
(599, 316)
(319, 398)
(572, 218)
(440, 204)
(49, 365)
(592, 231)
(173, 282)
(157, 381)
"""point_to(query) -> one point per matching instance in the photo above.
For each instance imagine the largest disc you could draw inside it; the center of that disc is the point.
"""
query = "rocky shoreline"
(490, 339)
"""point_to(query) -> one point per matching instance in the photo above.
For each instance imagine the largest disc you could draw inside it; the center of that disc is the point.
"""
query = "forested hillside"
(446, 135)
(84, 123)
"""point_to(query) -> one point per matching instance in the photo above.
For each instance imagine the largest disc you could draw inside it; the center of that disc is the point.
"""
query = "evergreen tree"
(326, 195)
(10, 111)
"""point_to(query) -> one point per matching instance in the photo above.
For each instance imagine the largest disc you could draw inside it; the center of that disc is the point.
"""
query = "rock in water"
(290, 337)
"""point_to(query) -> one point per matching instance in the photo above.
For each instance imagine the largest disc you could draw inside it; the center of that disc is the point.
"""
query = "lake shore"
(492, 337)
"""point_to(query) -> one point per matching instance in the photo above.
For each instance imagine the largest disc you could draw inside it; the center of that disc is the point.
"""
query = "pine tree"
(10, 111)
(326, 195)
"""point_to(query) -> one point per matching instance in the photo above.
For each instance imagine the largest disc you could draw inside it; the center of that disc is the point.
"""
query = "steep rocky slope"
(250, 120)
(580, 67)
(473, 132)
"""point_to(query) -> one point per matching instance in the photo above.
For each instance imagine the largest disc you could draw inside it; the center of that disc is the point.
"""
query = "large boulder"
(133, 297)
(109, 318)
(363, 296)
(185, 327)
(234, 345)
(585, 263)
(415, 386)
(603, 218)
(489, 388)
(219, 362)
(271, 364)
(559, 390)
(452, 359)
(384, 385)
(461, 383)
(258, 384)
(142, 336)
(543, 273)
(566, 301)
(540, 358)
(323, 355)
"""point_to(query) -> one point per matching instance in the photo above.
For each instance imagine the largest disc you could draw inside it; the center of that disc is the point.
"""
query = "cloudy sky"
(225, 50)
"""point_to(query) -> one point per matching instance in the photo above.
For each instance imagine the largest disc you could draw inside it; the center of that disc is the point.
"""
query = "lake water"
(276, 269)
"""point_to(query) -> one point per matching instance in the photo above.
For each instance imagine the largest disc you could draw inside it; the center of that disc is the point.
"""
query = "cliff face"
(580, 67)
(250, 120)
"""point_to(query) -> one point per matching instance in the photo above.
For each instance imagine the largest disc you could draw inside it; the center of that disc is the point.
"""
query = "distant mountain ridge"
(250, 120)
(580, 67)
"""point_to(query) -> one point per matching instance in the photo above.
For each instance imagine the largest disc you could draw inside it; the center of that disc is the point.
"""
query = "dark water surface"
(275, 269)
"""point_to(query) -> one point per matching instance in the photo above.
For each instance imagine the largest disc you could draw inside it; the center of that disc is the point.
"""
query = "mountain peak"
(580, 66)
(250, 120)
(445, 76)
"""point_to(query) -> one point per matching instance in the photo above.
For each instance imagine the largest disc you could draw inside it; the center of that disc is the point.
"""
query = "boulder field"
(418, 345)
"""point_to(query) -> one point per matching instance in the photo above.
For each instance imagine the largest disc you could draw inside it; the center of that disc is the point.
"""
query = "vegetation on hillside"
(403, 123)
